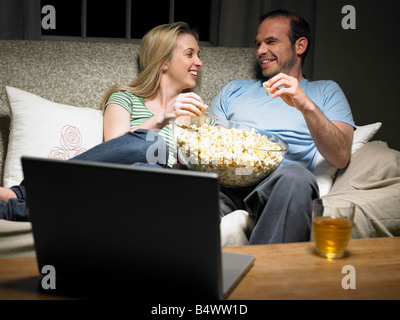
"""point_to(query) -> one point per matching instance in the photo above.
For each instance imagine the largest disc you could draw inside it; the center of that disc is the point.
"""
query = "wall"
(364, 61)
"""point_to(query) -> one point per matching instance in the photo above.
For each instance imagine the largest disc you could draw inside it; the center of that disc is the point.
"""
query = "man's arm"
(333, 139)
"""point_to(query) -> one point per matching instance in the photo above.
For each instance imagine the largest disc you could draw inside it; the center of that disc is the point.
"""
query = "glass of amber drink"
(332, 224)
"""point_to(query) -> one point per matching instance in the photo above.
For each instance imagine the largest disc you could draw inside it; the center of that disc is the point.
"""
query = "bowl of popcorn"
(239, 154)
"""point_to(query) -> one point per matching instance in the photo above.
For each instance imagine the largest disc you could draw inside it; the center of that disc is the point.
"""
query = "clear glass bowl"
(239, 154)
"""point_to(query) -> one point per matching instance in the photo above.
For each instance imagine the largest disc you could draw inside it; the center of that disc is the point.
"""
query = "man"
(309, 116)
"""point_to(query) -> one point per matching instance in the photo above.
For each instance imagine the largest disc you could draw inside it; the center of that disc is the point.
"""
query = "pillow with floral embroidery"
(42, 128)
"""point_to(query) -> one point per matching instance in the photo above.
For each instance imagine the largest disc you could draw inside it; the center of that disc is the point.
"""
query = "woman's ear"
(164, 67)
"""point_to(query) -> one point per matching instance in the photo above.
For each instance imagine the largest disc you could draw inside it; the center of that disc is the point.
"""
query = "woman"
(136, 117)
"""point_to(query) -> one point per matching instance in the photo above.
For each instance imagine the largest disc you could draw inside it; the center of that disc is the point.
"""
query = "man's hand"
(332, 139)
(291, 92)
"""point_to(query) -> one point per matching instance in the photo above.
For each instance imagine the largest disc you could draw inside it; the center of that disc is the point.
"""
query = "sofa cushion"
(43, 128)
(16, 239)
(325, 172)
(372, 182)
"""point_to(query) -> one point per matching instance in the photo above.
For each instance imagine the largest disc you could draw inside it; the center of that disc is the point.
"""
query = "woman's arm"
(116, 121)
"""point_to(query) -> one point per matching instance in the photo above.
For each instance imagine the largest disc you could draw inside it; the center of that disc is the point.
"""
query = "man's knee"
(289, 180)
(296, 175)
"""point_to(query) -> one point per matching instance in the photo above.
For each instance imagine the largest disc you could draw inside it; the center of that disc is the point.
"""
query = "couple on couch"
(309, 116)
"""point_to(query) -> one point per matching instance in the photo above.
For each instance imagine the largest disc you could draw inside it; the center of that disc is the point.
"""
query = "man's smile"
(266, 62)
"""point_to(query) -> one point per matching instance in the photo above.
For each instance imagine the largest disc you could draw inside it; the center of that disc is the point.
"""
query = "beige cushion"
(16, 239)
(372, 181)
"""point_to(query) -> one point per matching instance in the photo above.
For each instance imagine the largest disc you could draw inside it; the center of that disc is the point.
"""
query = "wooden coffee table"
(281, 271)
(294, 271)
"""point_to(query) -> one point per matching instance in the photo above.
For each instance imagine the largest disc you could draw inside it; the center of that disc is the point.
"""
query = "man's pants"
(280, 205)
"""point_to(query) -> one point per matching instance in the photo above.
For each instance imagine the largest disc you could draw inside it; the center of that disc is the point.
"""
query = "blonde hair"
(156, 48)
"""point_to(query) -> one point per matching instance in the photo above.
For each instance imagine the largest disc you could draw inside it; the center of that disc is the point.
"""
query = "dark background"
(364, 62)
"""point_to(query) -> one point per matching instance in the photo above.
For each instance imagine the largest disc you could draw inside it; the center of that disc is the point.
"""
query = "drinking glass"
(332, 224)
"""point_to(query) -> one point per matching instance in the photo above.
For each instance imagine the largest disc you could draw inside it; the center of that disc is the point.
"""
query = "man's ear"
(301, 45)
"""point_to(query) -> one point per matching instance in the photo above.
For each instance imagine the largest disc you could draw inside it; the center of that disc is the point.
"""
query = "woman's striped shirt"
(140, 114)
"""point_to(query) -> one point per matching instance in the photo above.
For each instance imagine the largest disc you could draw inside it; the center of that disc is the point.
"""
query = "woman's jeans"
(141, 147)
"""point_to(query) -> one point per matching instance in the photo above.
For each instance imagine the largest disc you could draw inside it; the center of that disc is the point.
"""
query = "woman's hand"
(185, 104)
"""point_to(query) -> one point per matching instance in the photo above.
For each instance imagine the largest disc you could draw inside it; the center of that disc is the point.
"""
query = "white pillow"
(325, 172)
(363, 134)
(43, 128)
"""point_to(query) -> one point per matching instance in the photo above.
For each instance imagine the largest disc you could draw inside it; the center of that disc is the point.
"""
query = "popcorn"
(239, 157)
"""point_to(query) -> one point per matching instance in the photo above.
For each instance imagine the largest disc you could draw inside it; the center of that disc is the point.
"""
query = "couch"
(49, 107)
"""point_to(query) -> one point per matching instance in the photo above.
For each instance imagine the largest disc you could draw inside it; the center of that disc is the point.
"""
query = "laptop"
(115, 231)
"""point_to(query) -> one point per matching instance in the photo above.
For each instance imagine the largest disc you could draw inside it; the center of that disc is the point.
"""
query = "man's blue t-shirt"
(246, 101)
